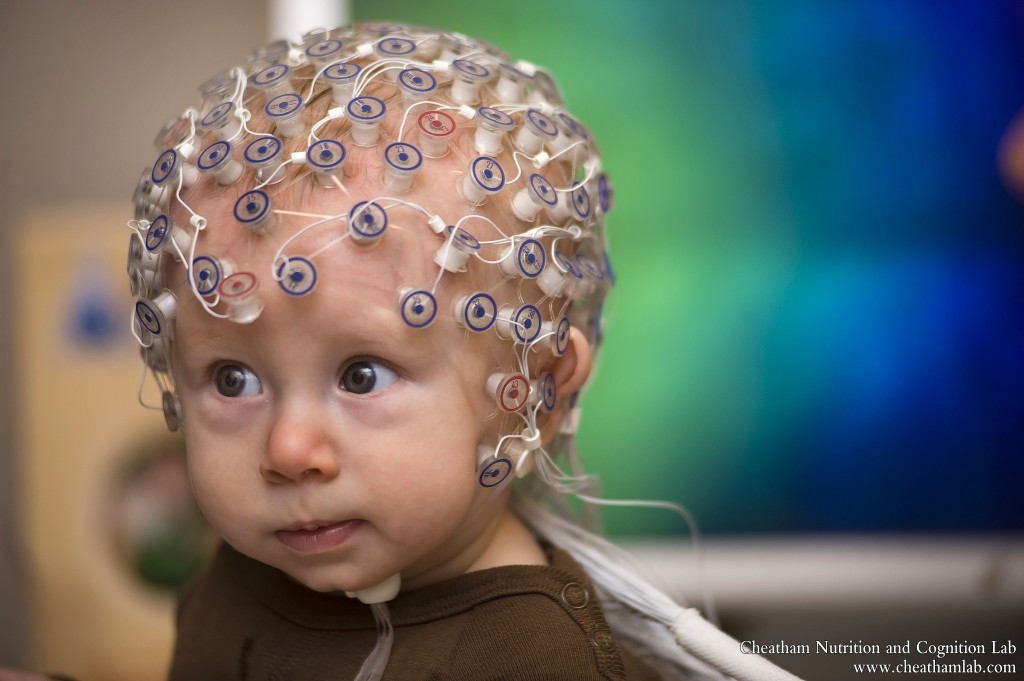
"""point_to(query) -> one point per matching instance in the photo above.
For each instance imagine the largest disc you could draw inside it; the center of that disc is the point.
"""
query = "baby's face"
(328, 438)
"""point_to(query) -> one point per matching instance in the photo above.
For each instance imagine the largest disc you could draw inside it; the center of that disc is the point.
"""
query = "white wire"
(277, 256)
(312, 84)
(267, 181)
(374, 665)
(444, 257)
(695, 538)
(142, 385)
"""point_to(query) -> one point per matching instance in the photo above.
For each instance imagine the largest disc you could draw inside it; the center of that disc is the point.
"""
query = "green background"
(816, 323)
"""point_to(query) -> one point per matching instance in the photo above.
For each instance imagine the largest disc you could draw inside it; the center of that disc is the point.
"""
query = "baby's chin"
(333, 578)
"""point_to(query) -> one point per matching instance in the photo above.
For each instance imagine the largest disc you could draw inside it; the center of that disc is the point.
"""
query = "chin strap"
(373, 666)
(376, 597)
(380, 593)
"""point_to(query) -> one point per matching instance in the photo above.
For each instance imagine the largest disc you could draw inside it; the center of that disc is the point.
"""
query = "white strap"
(718, 649)
(373, 666)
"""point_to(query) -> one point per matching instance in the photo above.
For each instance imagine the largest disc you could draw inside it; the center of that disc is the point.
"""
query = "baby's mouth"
(317, 536)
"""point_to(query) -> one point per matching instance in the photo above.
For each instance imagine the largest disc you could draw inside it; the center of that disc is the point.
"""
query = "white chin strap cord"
(377, 597)
(374, 664)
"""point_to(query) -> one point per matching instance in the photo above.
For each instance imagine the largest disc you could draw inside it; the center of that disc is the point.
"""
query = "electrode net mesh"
(396, 102)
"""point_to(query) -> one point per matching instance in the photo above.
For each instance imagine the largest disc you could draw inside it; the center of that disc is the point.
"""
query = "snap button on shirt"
(575, 595)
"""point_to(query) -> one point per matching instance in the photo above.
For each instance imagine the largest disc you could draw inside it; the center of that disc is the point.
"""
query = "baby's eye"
(234, 380)
(363, 377)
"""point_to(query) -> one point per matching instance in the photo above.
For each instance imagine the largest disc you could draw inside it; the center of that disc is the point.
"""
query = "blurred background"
(816, 340)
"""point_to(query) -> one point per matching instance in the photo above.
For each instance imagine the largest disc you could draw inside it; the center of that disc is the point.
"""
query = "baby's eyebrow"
(198, 338)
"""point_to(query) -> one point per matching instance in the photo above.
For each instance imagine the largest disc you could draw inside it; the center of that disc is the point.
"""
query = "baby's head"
(369, 270)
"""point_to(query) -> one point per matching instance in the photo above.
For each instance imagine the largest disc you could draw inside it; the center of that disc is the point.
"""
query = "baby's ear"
(571, 371)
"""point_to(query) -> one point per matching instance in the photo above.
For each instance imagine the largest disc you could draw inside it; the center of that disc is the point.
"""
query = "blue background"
(819, 317)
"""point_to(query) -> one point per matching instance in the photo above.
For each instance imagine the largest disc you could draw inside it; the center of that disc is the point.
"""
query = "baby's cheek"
(204, 495)
(425, 478)
(213, 477)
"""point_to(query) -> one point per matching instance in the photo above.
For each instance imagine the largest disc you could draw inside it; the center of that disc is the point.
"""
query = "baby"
(369, 270)
(382, 327)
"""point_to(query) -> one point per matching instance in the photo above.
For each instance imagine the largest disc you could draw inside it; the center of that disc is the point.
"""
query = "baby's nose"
(298, 449)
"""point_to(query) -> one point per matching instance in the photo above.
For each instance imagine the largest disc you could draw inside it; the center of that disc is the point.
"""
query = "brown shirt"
(246, 621)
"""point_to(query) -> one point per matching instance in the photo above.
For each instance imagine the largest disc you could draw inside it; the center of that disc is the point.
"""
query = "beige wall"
(80, 431)
(85, 86)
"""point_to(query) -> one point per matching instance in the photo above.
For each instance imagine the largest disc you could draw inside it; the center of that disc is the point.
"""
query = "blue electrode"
(560, 339)
(222, 121)
(469, 76)
(485, 177)
(579, 200)
(604, 193)
(365, 113)
(454, 46)
(342, 77)
(401, 163)
(395, 47)
(547, 391)
(324, 52)
(477, 312)
(588, 267)
(148, 197)
(263, 153)
(492, 125)
(285, 111)
(545, 92)
(572, 133)
(538, 194)
(173, 415)
(296, 276)
(367, 222)
(526, 324)
(416, 85)
(418, 308)
(165, 167)
(494, 471)
(573, 204)
(208, 272)
(393, 50)
(458, 246)
(511, 84)
(523, 323)
(273, 80)
(216, 160)
(535, 131)
(253, 210)
(161, 232)
(592, 275)
(153, 315)
(561, 279)
(326, 158)
(524, 257)
(168, 167)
